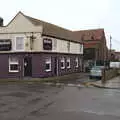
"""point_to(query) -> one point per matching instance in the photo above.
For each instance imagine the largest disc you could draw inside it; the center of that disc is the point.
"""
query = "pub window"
(19, 43)
(76, 62)
(48, 64)
(13, 64)
(62, 62)
(68, 62)
(47, 44)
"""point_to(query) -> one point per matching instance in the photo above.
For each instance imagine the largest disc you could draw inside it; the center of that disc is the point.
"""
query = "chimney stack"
(1, 22)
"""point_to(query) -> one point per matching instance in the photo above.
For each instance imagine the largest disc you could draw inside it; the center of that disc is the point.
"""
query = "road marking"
(63, 84)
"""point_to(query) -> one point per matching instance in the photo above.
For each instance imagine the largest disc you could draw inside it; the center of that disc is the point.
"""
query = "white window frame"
(76, 60)
(48, 61)
(62, 60)
(13, 63)
(68, 60)
(16, 49)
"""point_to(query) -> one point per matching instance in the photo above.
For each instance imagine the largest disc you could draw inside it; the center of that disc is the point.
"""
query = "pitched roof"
(54, 30)
(93, 34)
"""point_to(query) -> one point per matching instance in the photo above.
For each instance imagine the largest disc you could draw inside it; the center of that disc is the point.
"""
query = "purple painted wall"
(38, 65)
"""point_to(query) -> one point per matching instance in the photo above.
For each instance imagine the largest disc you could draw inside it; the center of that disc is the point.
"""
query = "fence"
(109, 74)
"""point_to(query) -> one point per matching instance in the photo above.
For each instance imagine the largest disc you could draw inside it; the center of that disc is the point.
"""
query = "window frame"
(16, 49)
(62, 60)
(48, 62)
(76, 61)
(68, 61)
(13, 63)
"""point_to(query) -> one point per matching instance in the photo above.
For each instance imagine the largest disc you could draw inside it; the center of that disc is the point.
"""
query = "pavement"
(80, 80)
(113, 83)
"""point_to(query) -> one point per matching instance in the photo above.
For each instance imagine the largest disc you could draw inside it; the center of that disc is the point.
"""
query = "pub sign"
(5, 44)
(47, 44)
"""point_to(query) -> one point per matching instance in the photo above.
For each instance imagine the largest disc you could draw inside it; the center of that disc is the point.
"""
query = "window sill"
(13, 71)
(19, 50)
(62, 68)
(68, 67)
(48, 70)
(76, 66)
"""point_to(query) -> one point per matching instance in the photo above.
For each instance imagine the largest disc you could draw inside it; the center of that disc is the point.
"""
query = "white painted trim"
(12, 63)
(62, 60)
(48, 70)
(62, 68)
(68, 60)
(48, 62)
(76, 60)
(14, 71)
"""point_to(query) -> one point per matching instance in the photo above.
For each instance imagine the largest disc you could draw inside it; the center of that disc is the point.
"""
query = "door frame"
(24, 67)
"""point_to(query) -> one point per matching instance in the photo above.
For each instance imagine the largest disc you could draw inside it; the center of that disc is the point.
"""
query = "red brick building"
(95, 48)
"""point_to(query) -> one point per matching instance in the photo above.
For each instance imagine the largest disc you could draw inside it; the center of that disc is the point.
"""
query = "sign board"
(5, 44)
(47, 44)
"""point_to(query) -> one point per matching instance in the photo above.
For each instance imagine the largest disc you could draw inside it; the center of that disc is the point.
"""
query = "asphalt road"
(40, 102)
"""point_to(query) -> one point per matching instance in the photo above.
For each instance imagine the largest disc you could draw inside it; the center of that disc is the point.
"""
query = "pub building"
(33, 48)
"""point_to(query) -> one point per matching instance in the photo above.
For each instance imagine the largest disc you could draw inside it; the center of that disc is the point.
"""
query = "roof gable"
(95, 34)
(20, 24)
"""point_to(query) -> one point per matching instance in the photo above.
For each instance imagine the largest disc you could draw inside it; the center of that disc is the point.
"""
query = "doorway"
(27, 67)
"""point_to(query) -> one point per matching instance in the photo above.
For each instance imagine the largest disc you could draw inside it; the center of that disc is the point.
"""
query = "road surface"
(43, 102)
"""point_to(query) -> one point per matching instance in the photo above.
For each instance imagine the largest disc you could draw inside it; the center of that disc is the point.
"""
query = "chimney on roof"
(1, 21)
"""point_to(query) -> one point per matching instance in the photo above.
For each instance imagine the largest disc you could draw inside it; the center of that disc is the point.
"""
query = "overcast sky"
(70, 14)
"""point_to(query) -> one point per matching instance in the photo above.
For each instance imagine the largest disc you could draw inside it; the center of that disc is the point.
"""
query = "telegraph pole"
(110, 43)
(110, 46)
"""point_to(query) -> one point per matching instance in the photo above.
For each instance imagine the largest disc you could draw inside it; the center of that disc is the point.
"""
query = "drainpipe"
(57, 65)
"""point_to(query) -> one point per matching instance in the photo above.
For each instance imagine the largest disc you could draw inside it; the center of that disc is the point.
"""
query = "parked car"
(96, 72)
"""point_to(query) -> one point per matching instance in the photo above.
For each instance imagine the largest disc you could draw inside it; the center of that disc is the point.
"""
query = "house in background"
(95, 48)
(117, 56)
(114, 55)
(33, 48)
